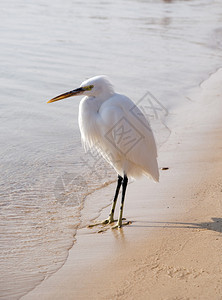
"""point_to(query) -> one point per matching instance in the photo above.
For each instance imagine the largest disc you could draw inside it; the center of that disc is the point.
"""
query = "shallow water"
(165, 47)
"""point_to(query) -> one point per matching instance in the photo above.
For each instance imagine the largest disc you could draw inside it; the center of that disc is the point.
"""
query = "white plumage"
(103, 111)
(114, 125)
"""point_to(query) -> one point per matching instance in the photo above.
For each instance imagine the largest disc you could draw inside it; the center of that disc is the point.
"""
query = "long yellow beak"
(75, 92)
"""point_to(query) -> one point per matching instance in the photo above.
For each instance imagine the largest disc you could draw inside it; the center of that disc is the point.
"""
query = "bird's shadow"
(214, 225)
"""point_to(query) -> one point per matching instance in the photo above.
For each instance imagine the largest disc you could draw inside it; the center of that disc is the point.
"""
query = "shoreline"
(172, 248)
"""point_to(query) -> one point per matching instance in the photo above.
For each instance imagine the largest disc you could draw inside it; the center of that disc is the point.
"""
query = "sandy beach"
(172, 249)
(156, 49)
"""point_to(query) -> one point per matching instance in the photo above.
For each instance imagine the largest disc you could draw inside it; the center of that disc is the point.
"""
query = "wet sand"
(164, 47)
(172, 249)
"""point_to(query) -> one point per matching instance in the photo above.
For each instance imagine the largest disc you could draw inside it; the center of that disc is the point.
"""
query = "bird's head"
(93, 87)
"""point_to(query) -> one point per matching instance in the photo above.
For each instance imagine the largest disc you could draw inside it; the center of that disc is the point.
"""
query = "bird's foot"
(121, 224)
(104, 222)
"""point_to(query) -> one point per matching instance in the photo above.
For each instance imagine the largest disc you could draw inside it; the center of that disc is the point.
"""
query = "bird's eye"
(89, 87)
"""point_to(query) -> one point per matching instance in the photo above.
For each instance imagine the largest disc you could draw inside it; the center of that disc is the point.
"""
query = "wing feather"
(128, 141)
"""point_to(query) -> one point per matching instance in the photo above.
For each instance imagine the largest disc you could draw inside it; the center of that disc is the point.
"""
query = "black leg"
(124, 185)
(119, 182)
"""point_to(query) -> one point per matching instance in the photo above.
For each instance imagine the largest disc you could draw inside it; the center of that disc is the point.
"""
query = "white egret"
(113, 125)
